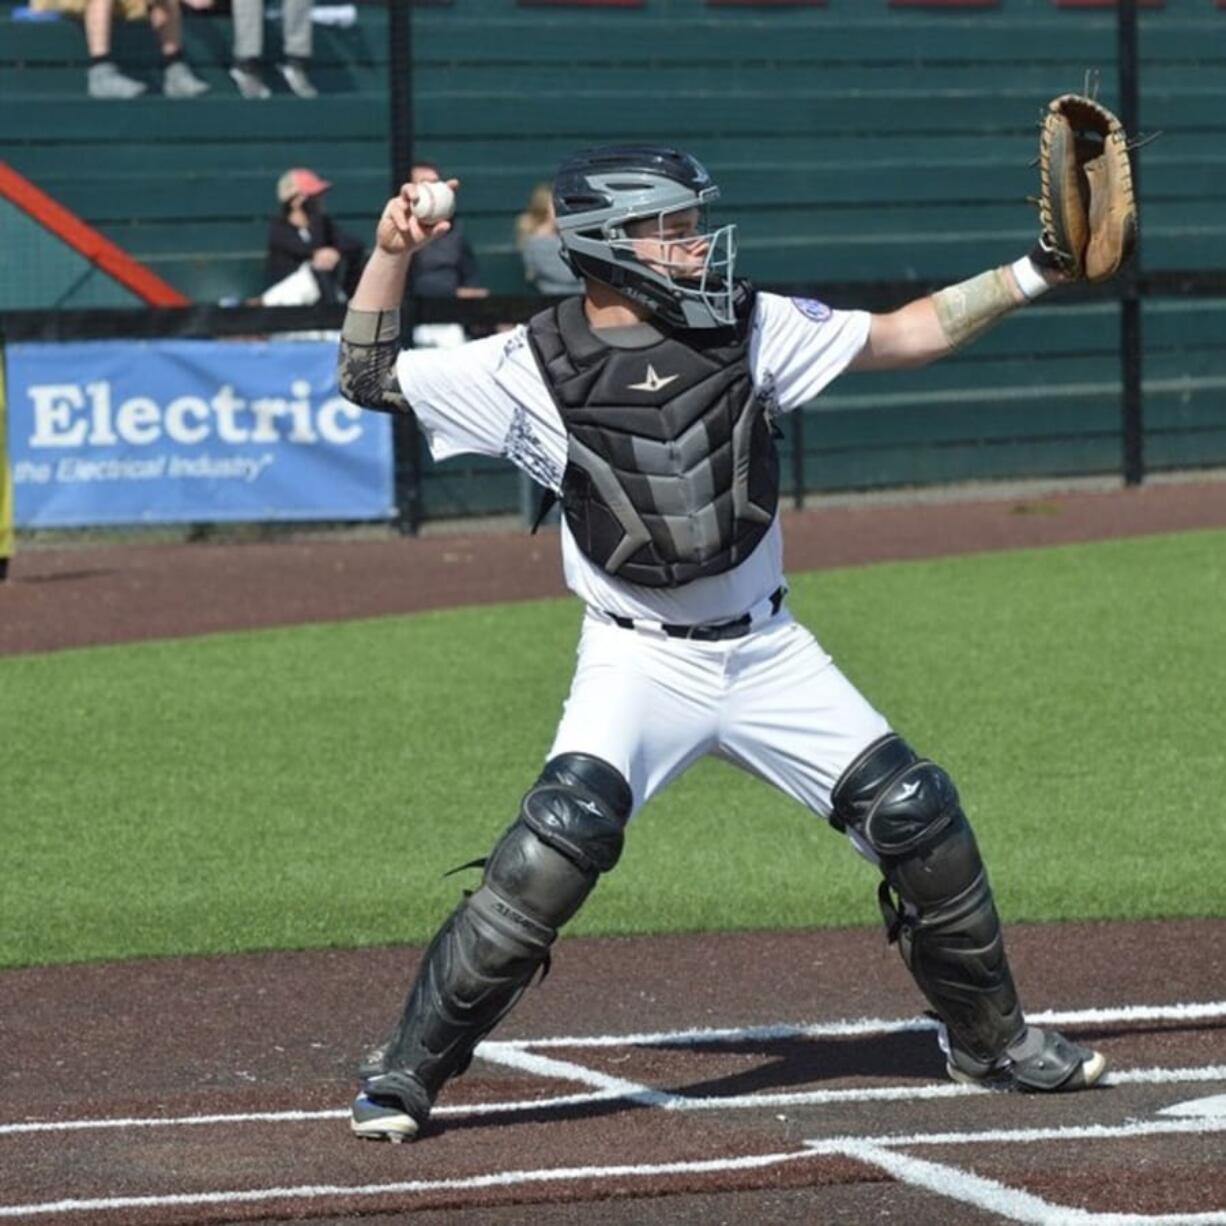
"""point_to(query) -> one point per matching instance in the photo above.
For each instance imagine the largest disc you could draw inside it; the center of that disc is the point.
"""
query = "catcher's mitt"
(1086, 204)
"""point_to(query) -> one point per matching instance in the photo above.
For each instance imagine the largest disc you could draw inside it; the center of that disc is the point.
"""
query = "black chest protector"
(671, 470)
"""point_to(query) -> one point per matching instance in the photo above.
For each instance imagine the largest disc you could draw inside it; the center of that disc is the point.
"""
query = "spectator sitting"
(536, 236)
(249, 48)
(104, 80)
(302, 232)
(447, 268)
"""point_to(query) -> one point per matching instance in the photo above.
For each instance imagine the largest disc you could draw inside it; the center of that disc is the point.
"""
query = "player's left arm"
(932, 327)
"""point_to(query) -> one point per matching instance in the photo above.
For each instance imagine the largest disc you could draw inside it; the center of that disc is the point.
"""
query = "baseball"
(435, 202)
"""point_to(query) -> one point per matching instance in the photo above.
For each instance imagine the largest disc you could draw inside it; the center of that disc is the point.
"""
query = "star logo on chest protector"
(653, 382)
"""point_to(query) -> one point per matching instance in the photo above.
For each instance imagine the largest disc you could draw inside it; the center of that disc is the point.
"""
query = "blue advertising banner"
(174, 431)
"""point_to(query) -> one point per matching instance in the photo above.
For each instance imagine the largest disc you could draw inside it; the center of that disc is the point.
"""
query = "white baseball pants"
(772, 702)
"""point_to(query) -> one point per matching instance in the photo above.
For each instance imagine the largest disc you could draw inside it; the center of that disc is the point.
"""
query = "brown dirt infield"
(227, 1038)
(81, 597)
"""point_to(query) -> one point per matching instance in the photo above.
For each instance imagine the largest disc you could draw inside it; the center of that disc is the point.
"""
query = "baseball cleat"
(1039, 1061)
(390, 1107)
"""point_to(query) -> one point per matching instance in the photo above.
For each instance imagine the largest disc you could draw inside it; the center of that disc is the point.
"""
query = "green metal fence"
(857, 144)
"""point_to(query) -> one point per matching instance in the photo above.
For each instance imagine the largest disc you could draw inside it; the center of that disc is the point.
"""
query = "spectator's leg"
(329, 290)
(296, 29)
(296, 33)
(248, 48)
(248, 30)
(104, 80)
(178, 80)
(98, 16)
(166, 18)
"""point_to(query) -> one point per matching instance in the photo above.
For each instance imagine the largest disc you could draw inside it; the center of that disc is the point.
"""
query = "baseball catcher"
(647, 405)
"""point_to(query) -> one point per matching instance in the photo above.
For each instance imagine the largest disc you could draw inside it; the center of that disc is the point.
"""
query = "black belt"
(712, 633)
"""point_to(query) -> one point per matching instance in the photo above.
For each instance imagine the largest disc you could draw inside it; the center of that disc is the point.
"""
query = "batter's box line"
(524, 1055)
(1171, 1076)
(1125, 1014)
(609, 1089)
(878, 1151)
(1014, 1204)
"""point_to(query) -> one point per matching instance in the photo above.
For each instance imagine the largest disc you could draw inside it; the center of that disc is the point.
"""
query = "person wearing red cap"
(302, 232)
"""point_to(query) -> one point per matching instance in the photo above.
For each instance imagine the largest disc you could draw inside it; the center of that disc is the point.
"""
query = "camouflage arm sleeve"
(366, 369)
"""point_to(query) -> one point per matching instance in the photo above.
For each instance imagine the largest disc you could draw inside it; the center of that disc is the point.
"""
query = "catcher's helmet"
(597, 191)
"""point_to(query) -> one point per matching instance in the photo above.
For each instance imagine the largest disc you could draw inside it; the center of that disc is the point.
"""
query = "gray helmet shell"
(598, 191)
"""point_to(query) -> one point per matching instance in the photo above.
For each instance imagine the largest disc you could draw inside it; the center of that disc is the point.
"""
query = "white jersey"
(488, 398)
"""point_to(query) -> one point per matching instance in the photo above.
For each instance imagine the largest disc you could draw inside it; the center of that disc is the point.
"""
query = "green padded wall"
(854, 142)
(40, 270)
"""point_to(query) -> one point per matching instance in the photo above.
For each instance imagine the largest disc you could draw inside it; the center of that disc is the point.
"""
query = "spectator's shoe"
(178, 81)
(297, 80)
(391, 1107)
(1039, 1061)
(106, 81)
(250, 83)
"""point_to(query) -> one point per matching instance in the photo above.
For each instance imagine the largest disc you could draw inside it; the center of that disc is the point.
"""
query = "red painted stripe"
(767, 4)
(1107, 4)
(583, 4)
(945, 4)
(99, 250)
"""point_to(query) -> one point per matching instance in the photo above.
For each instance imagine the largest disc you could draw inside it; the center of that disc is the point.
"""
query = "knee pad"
(570, 829)
(906, 809)
(895, 800)
(580, 806)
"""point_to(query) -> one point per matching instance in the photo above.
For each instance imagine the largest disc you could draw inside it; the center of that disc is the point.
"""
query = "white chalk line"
(1013, 1204)
(946, 1180)
(875, 1150)
(318, 1191)
(564, 1070)
(1187, 1012)
(1025, 1136)
(631, 1091)
(523, 1054)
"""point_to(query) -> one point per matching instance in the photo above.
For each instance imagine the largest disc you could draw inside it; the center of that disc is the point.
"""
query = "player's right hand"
(399, 232)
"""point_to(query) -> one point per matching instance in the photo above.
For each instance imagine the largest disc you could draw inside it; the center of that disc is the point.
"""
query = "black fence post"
(406, 438)
(1131, 409)
(798, 459)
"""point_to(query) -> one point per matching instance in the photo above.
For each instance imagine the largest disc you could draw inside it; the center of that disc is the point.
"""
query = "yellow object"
(128, 10)
(7, 540)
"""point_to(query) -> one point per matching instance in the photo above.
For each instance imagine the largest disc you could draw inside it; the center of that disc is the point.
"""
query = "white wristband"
(1029, 279)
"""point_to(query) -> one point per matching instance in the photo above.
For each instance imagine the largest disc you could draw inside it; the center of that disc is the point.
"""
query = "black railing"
(485, 315)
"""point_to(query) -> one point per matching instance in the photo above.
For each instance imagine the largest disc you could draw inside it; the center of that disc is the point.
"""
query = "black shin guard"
(473, 972)
(569, 831)
(935, 898)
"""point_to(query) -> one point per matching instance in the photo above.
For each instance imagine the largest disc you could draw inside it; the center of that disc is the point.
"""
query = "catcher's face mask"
(634, 218)
(679, 245)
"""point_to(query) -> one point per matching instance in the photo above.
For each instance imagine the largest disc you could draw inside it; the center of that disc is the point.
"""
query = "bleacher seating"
(869, 141)
(855, 141)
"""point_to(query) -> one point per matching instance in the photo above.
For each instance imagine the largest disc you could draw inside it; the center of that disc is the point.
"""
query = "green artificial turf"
(310, 786)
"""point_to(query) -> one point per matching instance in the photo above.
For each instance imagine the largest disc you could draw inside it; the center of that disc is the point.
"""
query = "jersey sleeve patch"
(812, 309)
